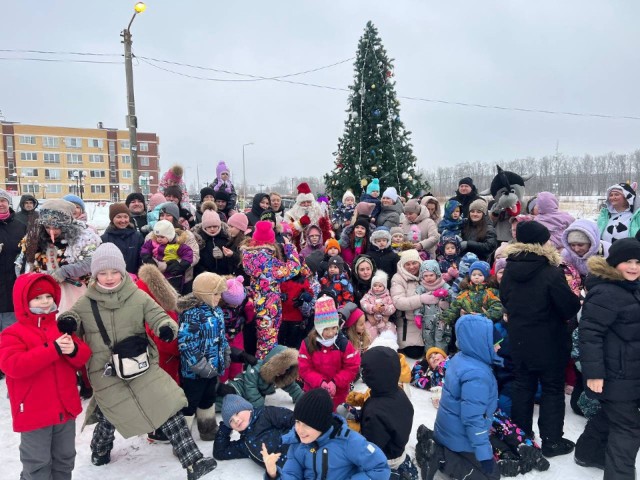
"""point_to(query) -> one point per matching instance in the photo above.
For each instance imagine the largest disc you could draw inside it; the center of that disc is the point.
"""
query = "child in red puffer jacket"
(40, 358)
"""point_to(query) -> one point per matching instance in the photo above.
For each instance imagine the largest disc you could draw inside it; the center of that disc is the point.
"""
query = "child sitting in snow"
(434, 296)
(337, 281)
(342, 215)
(223, 183)
(378, 305)
(448, 256)
(452, 221)
(354, 326)
(257, 426)
(169, 251)
(430, 371)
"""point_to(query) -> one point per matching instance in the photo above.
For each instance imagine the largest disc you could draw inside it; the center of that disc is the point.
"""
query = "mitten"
(67, 324)
(147, 258)
(330, 387)
(165, 333)
(487, 466)
(204, 369)
(452, 272)
(217, 253)
(463, 245)
(58, 275)
(418, 320)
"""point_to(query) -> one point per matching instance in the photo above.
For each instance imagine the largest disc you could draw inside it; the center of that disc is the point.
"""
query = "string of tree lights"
(282, 78)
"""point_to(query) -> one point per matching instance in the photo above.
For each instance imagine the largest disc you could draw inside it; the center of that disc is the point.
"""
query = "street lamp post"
(244, 177)
(14, 174)
(132, 120)
(79, 176)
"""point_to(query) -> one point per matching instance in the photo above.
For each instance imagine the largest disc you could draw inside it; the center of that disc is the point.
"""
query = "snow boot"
(201, 468)
(561, 447)
(207, 425)
(423, 449)
(99, 460)
(157, 436)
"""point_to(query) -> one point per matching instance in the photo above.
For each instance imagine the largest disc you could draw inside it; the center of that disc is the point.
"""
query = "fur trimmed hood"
(280, 366)
(186, 302)
(158, 287)
(599, 267)
(547, 251)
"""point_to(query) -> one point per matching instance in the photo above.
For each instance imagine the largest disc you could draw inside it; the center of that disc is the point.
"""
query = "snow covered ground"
(136, 459)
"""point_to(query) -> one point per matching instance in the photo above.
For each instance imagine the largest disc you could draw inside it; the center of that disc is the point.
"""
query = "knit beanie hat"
(395, 231)
(4, 194)
(391, 193)
(315, 409)
(433, 350)
(348, 194)
(41, 286)
(263, 233)
(222, 195)
(172, 209)
(578, 236)
(231, 405)
(362, 222)
(164, 228)
(363, 259)
(337, 261)
(380, 277)
(234, 295)
(221, 168)
(208, 284)
(268, 215)
(466, 181)
(75, 199)
(381, 232)
(412, 206)
(532, 232)
(173, 191)
(156, 199)
(210, 219)
(239, 221)
(332, 243)
(623, 250)
(480, 205)
(107, 257)
(500, 264)
(410, 255)
(206, 191)
(374, 186)
(430, 266)
(386, 338)
(134, 196)
(365, 209)
(483, 267)
(350, 313)
(56, 213)
(116, 209)
(326, 315)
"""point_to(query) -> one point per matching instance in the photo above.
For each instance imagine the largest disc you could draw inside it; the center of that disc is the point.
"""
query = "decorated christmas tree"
(375, 143)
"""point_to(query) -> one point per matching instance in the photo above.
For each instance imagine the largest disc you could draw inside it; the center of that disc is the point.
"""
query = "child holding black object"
(387, 415)
(322, 446)
(257, 427)
(40, 360)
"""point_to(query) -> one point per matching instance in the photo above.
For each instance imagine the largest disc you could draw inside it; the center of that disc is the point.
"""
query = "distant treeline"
(562, 175)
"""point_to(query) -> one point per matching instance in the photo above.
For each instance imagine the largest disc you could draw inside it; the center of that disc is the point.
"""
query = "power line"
(59, 60)
(54, 52)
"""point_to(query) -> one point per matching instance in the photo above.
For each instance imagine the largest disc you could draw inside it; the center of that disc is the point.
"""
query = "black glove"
(148, 259)
(204, 369)
(67, 324)
(177, 268)
(487, 466)
(240, 356)
(165, 333)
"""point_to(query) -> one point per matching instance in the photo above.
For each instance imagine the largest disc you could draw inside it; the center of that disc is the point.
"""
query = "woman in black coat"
(215, 238)
(260, 203)
(478, 234)
(610, 357)
(364, 268)
(124, 235)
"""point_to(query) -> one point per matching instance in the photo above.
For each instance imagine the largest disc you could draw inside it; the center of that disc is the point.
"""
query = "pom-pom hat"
(304, 193)
(326, 315)
(263, 233)
(234, 295)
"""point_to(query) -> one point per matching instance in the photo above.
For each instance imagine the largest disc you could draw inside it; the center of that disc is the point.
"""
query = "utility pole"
(132, 120)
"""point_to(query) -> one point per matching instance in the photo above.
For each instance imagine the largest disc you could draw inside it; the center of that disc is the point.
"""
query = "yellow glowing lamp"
(140, 7)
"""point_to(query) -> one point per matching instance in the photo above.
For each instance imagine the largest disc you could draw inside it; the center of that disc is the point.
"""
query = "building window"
(27, 140)
(29, 156)
(125, 158)
(30, 188)
(74, 158)
(144, 161)
(50, 142)
(52, 174)
(96, 158)
(124, 144)
(9, 142)
(94, 143)
(126, 173)
(51, 158)
(54, 188)
(29, 172)
(73, 142)
(143, 146)
(98, 189)
(97, 174)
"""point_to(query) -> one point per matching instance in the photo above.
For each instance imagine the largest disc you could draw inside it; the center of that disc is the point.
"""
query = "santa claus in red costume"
(305, 212)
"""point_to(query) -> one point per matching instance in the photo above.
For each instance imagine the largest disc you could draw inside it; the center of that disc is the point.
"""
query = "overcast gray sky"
(573, 55)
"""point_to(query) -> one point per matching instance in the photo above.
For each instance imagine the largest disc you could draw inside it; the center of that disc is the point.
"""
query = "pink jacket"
(371, 300)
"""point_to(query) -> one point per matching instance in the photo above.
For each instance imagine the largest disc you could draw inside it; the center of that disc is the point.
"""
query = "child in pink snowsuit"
(378, 305)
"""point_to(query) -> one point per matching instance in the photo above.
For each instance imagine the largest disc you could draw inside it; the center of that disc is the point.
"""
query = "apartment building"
(94, 163)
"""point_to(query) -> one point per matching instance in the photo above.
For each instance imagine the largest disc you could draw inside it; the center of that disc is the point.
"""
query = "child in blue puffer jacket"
(204, 350)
